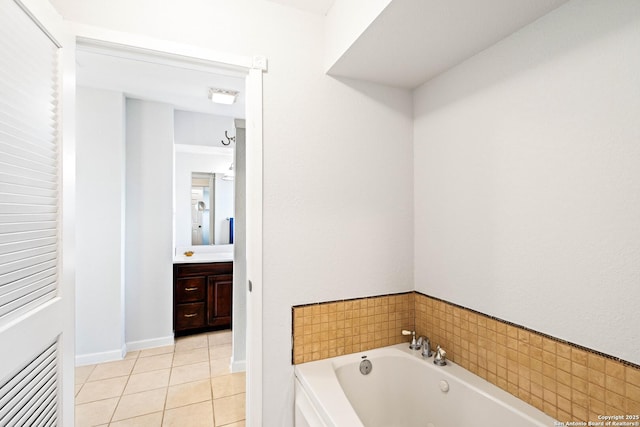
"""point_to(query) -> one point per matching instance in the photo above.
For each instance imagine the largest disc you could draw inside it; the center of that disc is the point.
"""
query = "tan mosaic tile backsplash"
(566, 381)
(336, 328)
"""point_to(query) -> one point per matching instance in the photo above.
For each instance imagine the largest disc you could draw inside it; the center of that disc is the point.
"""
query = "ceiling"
(412, 41)
(319, 7)
(185, 86)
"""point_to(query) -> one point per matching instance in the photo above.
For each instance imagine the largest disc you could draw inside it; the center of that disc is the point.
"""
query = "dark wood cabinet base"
(202, 297)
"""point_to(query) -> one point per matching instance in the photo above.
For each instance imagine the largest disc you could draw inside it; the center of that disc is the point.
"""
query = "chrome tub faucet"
(426, 348)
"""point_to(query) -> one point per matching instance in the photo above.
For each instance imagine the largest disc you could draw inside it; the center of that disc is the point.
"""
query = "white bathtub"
(403, 390)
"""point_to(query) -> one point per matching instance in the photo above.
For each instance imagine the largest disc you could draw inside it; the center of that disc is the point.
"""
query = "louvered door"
(34, 316)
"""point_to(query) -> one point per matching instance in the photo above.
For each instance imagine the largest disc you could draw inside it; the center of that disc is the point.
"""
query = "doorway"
(203, 61)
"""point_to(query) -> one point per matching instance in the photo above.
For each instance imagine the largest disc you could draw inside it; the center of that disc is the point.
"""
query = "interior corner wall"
(527, 190)
(149, 224)
(100, 184)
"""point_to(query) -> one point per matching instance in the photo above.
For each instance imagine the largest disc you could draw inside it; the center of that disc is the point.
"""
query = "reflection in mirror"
(201, 192)
(212, 210)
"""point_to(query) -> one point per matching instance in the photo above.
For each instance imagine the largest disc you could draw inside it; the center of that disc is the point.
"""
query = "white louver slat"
(29, 166)
(29, 398)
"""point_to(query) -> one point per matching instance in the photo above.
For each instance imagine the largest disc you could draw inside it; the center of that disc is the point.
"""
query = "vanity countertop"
(202, 257)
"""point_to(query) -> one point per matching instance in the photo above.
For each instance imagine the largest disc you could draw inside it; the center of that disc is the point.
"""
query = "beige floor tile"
(131, 355)
(103, 389)
(147, 381)
(188, 393)
(228, 385)
(153, 363)
(188, 373)
(220, 367)
(191, 356)
(181, 383)
(157, 350)
(111, 370)
(229, 409)
(238, 424)
(143, 403)
(220, 351)
(83, 372)
(220, 337)
(150, 420)
(197, 415)
(191, 342)
(95, 413)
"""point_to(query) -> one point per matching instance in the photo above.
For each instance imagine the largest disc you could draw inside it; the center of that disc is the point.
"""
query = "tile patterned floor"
(187, 384)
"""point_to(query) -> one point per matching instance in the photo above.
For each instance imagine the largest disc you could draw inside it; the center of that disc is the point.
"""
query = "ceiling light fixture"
(223, 96)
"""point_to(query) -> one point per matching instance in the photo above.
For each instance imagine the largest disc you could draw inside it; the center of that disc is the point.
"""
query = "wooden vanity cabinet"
(202, 297)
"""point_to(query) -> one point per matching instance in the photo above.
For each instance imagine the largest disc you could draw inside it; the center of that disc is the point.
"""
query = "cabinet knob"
(190, 289)
(191, 315)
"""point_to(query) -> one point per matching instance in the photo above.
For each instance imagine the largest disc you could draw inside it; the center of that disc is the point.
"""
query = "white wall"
(335, 224)
(100, 205)
(527, 178)
(149, 224)
(202, 129)
(337, 212)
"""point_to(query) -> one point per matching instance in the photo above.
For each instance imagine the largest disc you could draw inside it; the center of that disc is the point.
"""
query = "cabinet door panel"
(219, 301)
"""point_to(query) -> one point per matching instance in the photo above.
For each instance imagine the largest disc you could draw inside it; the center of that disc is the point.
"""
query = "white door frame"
(252, 68)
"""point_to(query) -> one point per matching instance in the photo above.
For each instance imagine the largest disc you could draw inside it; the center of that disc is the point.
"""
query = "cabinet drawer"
(190, 315)
(190, 289)
(204, 269)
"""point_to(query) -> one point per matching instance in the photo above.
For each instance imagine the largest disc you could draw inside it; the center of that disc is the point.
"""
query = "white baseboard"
(238, 366)
(115, 355)
(102, 357)
(151, 343)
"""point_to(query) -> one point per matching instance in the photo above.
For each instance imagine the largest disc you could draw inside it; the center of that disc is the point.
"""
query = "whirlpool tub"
(403, 390)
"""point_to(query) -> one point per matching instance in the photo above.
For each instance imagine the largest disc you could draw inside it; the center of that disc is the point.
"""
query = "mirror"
(204, 193)
(212, 210)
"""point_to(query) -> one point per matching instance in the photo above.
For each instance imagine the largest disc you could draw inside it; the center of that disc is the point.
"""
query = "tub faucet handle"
(426, 348)
(440, 357)
(414, 343)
